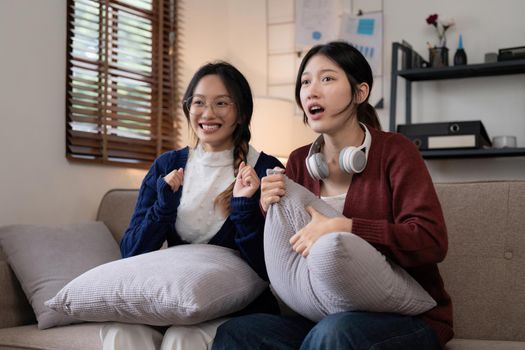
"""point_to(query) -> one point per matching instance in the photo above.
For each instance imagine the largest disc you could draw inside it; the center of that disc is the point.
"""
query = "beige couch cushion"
(75, 337)
(473, 344)
(484, 271)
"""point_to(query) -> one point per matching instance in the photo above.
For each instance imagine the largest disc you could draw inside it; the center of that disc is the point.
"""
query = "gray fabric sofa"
(484, 272)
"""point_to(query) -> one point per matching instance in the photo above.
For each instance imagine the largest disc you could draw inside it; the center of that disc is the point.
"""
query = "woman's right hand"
(272, 188)
(174, 179)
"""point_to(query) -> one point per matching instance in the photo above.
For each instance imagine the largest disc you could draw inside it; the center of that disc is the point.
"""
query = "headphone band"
(319, 142)
(367, 142)
(316, 145)
(317, 166)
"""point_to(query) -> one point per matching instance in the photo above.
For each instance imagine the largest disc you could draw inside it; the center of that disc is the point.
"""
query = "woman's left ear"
(362, 92)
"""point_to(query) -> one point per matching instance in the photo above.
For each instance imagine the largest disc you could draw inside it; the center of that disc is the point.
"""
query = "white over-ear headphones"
(351, 159)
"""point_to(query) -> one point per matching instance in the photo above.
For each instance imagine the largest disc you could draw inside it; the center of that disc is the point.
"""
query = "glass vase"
(438, 57)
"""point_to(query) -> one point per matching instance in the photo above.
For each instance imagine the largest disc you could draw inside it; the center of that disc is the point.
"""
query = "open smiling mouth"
(209, 127)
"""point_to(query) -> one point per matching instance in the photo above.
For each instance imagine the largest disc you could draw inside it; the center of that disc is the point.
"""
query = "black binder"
(447, 135)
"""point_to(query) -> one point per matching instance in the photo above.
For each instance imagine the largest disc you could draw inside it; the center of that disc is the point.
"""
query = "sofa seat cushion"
(80, 336)
(474, 344)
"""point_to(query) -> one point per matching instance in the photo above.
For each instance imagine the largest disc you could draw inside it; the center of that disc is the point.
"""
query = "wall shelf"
(453, 72)
(473, 153)
(466, 71)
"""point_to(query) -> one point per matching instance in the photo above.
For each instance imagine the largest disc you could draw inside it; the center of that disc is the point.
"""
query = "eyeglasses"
(220, 106)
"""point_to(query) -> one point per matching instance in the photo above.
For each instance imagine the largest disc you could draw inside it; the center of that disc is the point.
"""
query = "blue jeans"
(345, 330)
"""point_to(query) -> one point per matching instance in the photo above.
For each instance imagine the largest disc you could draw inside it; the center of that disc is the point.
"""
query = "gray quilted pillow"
(45, 258)
(343, 272)
(182, 285)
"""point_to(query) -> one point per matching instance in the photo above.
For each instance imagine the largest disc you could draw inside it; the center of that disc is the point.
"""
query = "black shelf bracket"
(396, 47)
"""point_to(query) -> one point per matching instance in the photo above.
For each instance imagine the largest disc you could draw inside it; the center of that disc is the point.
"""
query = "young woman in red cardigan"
(380, 184)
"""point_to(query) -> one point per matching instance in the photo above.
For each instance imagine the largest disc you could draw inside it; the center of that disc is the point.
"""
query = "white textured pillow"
(181, 285)
(46, 258)
(343, 272)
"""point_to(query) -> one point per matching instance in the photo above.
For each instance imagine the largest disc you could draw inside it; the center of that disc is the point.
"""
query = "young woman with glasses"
(204, 194)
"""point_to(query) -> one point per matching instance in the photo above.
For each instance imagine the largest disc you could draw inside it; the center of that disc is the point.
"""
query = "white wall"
(498, 101)
(247, 41)
(37, 184)
(231, 30)
(204, 37)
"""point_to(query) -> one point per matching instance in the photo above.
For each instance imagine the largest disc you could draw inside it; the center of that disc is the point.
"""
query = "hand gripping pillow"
(181, 285)
(343, 272)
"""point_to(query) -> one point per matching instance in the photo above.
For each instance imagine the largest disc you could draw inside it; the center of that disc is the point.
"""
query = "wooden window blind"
(122, 98)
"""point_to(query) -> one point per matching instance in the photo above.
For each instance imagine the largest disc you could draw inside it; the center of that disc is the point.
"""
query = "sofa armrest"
(115, 210)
